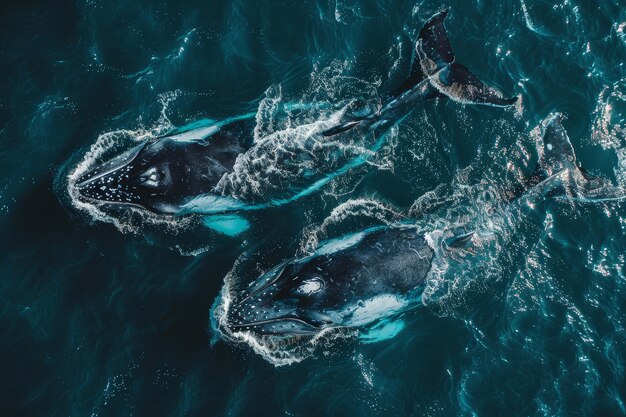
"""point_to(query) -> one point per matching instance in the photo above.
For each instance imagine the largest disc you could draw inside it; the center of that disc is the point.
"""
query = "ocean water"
(117, 314)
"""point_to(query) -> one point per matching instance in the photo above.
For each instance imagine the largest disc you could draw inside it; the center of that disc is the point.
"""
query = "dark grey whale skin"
(389, 261)
(182, 169)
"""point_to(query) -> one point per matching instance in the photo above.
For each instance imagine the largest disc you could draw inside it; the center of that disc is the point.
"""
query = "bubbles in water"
(609, 126)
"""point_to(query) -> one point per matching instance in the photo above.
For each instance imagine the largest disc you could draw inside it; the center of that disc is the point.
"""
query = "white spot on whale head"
(311, 286)
(549, 146)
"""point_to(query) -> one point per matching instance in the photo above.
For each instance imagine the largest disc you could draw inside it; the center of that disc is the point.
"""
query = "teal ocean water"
(120, 312)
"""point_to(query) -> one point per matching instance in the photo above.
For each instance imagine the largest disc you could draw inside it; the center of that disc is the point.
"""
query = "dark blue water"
(105, 315)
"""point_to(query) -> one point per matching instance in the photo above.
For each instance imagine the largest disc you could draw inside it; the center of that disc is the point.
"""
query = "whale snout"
(111, 180)
(112, 187)
(281, 326)
(278, 318)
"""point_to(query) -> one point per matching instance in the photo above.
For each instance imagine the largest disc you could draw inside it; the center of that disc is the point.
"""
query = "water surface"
(111, 317)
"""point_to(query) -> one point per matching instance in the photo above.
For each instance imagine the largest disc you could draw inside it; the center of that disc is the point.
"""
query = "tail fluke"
(434, 60)
(559, 174)
(433, 42)
(458, 83)
(555, 150)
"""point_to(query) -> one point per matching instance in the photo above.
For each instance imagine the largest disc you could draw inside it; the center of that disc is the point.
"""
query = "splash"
(371, 209)
(290, 156)
(609, 125)
(530, 23)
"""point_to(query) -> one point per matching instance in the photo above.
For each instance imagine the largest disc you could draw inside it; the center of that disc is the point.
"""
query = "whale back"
(390, 261)
(197, 166)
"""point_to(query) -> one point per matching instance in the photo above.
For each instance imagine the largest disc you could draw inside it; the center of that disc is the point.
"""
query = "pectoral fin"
(229, 225)
(459, 240)
(384, 330)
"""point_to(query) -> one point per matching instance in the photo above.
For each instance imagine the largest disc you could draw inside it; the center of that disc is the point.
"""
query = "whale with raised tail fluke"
(209, 169)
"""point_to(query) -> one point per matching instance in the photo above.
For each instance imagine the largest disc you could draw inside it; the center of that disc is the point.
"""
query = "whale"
(193, 170)
(363, 279)
(347, 282)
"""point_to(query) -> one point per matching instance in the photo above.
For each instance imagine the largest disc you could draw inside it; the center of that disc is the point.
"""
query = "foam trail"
(530, 24)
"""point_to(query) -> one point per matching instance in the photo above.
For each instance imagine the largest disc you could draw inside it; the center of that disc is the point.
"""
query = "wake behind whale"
(214, 168)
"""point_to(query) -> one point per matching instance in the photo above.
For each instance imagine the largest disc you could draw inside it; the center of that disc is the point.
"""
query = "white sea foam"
(289, 152)
(609, 125)
(351, 209)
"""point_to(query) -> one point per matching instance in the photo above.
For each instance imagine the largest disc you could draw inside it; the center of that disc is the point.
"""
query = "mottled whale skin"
(374, 274)
(344, 283)
(179, 174)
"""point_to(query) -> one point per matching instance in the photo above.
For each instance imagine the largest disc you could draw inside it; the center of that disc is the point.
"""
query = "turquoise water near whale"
(110, 314)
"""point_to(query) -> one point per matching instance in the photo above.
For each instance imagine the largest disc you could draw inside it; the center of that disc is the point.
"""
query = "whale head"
(295, 298)
(151, 175)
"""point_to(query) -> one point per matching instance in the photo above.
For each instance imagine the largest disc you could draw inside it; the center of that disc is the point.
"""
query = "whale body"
(369, 276)
(195, 171)
(346, 282)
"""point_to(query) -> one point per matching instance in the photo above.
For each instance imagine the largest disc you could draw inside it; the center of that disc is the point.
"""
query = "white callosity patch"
(151, 177)
(311, 286)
